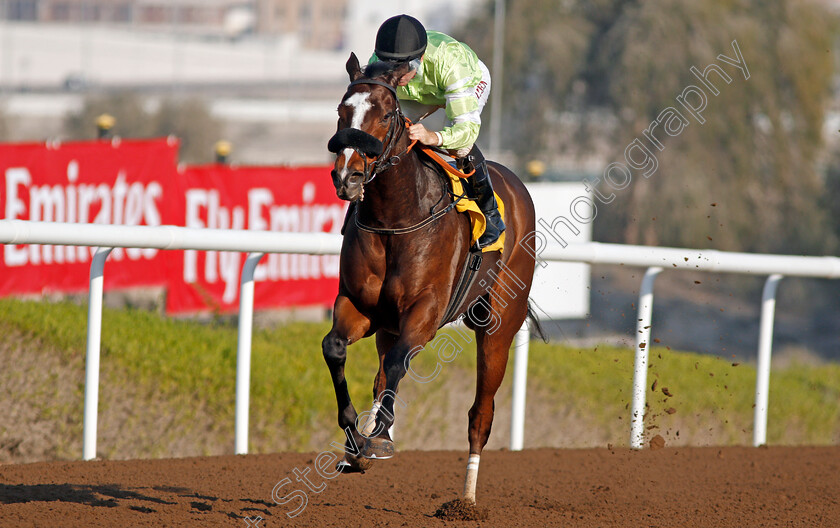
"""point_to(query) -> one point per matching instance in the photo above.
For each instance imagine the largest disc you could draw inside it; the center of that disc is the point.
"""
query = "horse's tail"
(535, 324)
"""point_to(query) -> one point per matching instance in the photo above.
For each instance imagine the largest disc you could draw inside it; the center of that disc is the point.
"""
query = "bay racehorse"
(404, 249)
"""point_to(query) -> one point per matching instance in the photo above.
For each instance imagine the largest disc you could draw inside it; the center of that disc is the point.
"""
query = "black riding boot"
(485, 198)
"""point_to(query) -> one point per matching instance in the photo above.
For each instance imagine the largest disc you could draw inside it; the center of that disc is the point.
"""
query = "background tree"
(610, 66)
(4, 126)
(189, 119)
(132, 120)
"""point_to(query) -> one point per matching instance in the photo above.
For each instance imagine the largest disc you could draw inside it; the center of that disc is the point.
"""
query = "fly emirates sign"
(263, 199)
(137, 183)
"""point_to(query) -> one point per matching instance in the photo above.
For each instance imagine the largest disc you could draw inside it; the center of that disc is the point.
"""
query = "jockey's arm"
(461, 109)
(419, 132)
(459, 75)
(460, 78)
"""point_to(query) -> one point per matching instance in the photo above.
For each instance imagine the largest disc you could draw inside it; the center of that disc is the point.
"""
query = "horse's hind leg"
(492, 361)
(348, 327)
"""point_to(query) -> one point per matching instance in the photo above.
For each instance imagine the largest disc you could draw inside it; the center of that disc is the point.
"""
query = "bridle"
(396, 128)
(397, 125)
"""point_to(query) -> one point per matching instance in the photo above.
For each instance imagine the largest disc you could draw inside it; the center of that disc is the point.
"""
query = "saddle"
(462, 193)
(464, 202)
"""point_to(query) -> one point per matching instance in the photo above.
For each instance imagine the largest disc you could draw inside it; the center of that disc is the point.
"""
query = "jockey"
(444, 73)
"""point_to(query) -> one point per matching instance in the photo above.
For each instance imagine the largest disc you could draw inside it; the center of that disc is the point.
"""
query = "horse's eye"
(387, 116)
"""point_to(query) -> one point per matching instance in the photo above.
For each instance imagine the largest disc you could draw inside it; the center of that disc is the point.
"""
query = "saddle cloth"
(467, 204)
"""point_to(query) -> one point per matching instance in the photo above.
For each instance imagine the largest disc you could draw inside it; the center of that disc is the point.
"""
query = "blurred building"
(315, 24)
(319, 24)
(141, 12)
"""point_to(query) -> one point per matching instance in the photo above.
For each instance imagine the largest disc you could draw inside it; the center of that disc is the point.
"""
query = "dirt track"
(669, 487)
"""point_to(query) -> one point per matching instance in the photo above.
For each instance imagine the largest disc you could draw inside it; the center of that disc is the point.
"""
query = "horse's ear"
(353, 68)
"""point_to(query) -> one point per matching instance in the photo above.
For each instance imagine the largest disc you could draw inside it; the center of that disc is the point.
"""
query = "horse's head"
(369, 124)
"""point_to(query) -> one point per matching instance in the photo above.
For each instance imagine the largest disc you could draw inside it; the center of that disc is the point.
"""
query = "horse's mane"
(378, 69)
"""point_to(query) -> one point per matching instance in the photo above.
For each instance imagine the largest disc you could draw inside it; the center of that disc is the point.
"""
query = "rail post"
(94, 341)
(520, 387)
(643, 324)
(765, 348)
(243, 351)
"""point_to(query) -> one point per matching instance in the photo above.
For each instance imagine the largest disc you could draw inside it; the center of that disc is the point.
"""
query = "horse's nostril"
(355, 178)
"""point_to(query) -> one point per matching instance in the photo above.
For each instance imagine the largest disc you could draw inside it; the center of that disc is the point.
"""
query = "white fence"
(106, 237)
(658, 259)
(259, 242)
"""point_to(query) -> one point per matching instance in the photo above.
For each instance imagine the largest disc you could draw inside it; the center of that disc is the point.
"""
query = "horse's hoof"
(353, 464)
(378, 448)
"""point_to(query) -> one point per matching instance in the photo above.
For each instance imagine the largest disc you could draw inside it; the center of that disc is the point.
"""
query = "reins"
(377, 166)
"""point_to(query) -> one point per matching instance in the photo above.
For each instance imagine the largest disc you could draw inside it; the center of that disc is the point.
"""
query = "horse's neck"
(401, 195)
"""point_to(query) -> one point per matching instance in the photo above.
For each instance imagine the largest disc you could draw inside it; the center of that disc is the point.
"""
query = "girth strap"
(465, 282)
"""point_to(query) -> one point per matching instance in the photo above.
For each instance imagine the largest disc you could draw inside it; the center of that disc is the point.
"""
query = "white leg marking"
(472, 478)
(370, 424)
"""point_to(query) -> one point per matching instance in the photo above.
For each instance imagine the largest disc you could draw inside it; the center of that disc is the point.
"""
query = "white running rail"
(658, 259)
(259, 242)
(167, 237)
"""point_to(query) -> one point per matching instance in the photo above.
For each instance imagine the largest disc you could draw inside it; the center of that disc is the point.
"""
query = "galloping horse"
(404, 250)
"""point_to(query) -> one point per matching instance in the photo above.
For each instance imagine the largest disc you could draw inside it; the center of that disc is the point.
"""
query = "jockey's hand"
(423, 135)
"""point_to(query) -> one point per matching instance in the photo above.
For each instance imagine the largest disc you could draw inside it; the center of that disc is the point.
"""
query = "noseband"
(375, 154)
(362, 142)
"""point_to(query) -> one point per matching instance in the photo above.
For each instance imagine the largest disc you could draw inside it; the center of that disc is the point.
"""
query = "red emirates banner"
(100, 182)
(263, 199)
(136, 182)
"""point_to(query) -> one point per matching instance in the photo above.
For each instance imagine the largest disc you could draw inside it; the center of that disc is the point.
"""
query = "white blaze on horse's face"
(360, 105)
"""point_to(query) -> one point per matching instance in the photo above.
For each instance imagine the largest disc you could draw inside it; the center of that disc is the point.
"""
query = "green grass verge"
(291, 392)
(705, 392)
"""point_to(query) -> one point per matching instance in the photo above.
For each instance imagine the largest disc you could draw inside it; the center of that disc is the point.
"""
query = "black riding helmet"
(400, 38)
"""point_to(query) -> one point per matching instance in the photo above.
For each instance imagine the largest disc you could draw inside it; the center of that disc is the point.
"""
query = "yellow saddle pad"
(477, 221)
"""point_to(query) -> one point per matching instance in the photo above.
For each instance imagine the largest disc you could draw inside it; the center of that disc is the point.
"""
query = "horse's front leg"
(349, 325)
(417, 327)
(385, 341)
